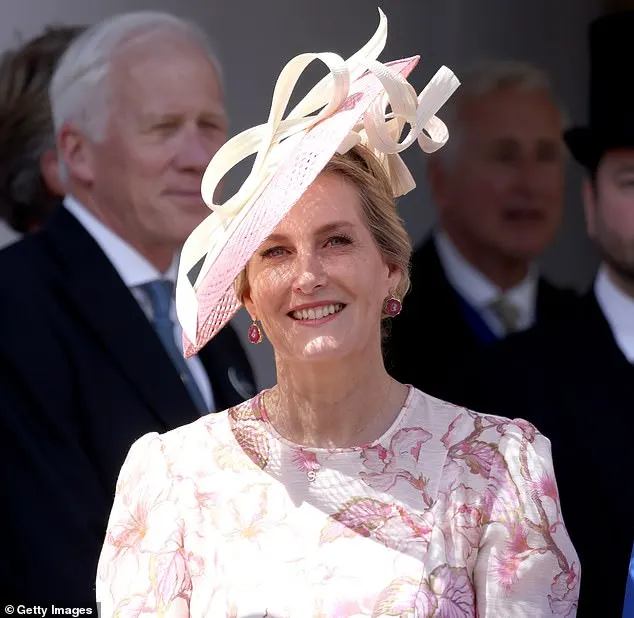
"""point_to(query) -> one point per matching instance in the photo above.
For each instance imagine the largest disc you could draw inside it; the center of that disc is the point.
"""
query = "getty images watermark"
(50, 610)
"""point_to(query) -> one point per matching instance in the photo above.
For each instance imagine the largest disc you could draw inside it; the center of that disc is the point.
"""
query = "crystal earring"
(254, 333)
(392, 306)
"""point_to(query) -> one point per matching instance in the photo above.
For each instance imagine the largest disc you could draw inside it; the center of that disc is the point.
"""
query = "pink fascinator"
(290, 153)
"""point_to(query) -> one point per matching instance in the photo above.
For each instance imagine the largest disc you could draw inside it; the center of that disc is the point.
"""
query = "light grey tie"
(507, 312)
(160, 295)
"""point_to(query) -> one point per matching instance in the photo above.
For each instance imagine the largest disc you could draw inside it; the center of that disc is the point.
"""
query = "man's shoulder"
(535, 346)
(23, 268)
(34, 284)
(16, 253)
(428, 282)
(28, 303)
(554, 301)
(550, 337)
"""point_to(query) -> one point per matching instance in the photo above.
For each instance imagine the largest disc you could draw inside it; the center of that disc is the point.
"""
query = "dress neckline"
(384, 438)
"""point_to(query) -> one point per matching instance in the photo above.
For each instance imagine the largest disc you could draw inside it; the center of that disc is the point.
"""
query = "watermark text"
(47, 610)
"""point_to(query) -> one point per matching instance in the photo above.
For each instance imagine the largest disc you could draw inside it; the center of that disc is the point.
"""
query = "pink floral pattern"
(450, 514)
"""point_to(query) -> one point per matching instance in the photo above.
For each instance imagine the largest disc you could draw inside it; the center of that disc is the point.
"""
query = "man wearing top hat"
(575, 381)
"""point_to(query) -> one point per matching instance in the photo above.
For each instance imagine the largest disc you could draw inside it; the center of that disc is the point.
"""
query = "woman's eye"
(339, 240)
(273, 252)
(278, 251)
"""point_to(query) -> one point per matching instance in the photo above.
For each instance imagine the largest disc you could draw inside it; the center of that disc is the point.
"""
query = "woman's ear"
(394, 277)
(247, 301)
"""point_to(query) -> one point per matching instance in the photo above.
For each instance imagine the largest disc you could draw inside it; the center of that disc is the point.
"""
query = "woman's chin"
(321, 348)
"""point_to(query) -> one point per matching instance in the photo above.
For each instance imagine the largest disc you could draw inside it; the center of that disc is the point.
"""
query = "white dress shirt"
(135, 270)
(479, 292)
(618, 309)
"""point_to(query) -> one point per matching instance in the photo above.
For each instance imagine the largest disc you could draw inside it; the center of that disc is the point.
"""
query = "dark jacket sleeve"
(52, 496)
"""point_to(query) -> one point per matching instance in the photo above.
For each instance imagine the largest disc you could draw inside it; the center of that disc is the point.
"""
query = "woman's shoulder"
(458, 423)
(487, 451)
(200, 435)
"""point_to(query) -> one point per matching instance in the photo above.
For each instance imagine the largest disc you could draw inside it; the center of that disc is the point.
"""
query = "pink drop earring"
(393, 306)
(254, 334)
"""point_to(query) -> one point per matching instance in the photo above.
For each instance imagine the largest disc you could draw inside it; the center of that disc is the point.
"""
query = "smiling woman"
(364, 195)
(322, 256)
(339, 492)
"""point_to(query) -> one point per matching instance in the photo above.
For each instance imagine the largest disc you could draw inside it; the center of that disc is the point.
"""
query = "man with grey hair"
(90, 351)
(575, 380)
(498, 188)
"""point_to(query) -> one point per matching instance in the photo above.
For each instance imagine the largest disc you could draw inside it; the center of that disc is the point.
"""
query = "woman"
(339, 492)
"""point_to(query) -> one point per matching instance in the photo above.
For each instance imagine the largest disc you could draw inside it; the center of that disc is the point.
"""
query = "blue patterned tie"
(160, 295)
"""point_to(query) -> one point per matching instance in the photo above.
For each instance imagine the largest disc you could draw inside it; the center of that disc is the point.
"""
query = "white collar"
(476, 289)
(618, 309)
(132, 267)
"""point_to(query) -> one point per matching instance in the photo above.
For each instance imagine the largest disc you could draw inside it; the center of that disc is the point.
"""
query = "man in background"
(498, 186)
(90, 348)
(575, 381)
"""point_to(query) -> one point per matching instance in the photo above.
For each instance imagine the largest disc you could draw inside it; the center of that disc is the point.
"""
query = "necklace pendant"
(312, 473)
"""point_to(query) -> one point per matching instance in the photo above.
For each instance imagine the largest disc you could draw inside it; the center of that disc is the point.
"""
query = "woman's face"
(319, 282)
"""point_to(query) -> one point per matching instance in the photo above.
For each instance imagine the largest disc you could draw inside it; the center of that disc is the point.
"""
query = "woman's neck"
(334, 405)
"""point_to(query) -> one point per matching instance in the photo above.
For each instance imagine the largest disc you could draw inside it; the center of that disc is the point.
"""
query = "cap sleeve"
(526, 560)
(142, 567)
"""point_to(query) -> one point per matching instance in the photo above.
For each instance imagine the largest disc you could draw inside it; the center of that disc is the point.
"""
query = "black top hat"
(611, 93)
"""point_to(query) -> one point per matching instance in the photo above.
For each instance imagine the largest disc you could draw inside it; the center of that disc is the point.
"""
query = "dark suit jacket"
(432, 335)
(573, 382)
(82, 376)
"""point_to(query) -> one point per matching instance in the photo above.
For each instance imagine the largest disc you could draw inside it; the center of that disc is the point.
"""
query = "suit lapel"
(442, 300)
(107, 307)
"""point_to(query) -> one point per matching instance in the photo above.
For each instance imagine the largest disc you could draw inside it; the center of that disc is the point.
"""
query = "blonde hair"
(367, 174)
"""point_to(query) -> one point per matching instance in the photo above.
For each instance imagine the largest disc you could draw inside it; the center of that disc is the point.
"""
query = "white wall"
(255, 38)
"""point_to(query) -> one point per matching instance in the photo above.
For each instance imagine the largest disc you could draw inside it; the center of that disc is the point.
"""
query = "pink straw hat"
(290, 154)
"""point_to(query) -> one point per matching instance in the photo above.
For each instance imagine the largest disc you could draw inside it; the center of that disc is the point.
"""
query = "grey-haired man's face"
(166, 123)
(503, 192)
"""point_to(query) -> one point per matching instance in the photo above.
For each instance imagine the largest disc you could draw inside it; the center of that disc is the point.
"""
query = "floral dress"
(449, 514)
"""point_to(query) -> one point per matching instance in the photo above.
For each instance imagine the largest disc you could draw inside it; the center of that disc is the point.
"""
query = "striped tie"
(160, 295)
(507, 313)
